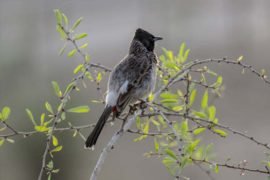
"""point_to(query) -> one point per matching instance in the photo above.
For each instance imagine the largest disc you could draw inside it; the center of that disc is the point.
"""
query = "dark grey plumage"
(133, 78)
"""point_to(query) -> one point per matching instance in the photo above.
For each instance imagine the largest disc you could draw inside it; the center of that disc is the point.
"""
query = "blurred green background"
(29, 61)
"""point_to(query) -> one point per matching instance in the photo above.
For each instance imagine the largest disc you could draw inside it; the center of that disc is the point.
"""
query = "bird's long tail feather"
(92, 138)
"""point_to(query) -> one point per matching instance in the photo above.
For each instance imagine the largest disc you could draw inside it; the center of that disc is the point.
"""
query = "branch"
(238, 167)
(111, 145)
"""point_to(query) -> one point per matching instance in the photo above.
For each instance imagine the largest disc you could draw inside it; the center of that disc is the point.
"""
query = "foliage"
(176, 116)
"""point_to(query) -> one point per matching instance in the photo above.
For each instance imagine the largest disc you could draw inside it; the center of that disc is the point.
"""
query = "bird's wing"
(135, 70)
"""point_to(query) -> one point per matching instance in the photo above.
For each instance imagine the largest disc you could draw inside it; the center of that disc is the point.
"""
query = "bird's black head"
(147, 39)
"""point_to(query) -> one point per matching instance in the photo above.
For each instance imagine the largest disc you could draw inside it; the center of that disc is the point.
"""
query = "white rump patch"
(112, 96)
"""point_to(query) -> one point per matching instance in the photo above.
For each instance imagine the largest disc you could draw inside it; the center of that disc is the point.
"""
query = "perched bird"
(133, 78)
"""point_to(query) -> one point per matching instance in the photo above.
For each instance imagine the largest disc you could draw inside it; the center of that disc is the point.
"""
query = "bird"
(133, 78)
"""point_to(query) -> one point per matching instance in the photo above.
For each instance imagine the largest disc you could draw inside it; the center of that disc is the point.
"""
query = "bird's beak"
(157, 38)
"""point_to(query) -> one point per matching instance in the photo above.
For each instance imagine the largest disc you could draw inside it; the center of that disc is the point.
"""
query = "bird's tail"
(92, 138)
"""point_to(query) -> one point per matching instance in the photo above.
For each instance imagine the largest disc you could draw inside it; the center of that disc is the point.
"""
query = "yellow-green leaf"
(220, 132)
(31, 117)
(78, 68)
(99, 77)
(199, 130)
(57, 149)
(204, 103)
(58, 16)
(49, 107)
(192, 97)
(54, 141)
(2, 140)
(41, 128)
(5, 113)
(80, 36)
(79, 109)
(72, 52)
(76, 24)
(56, 88)
(83, 46)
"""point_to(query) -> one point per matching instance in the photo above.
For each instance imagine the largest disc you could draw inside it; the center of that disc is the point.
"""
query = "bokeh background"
(29, 61)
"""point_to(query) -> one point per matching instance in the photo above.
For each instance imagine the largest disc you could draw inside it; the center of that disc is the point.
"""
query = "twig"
(111, 145)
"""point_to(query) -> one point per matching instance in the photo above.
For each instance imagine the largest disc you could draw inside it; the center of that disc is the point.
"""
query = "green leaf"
(57, 149)
(146, 127)
(5, 113)
(99, 77)
(170, 153)
(192, 97)
(31, 117)
(169, 101)
(56, 88)
(138, 122)
(78, 68)
(177, 108)
(80, 36)
(72, 52)
(199, 130)
(186, 55)
(50, 165)
(216, 169)
(65, 19)
(48, 107)
(156, 145)
(220, 132)
(54, 141)
(83, 46)
(42, 119)
(41, 128)
(204, 103)
(2, 140)
(184, 126)
(168, 95)
(58, 16)
(212, 112)
(76, 24)
(62, 50)
(61, 31)
(200, 114)
(79, 109)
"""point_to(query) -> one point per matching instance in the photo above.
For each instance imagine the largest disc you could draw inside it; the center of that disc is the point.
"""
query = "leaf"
(57, 149)
(80, 36)
(30, 115)
(199, 130)
(99, 77)
(204, 102)
(240, 58)
(156, 145)
(61, 31)
(5, 113)
(170, 153)
(138, 122)
(78, 68)
(2, 140)
(41, 128)
(216, 169)
(65, 19)
(62, 50)
(58, 16)
(83, 46)
(192, 97)
(168, 95)
(76, 24)
(146, 127)
(184, 126)
(177, 108)
(42, 119)
(79, 109)
(50, 165)
(220, 132)
(10, 140)
(72, 52)
(56, 88)
(169, 101)
(54, 141)
(200, 114)
(48, 107)
(212, 112)
(151, 97)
